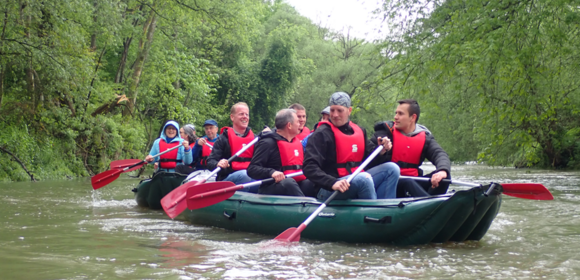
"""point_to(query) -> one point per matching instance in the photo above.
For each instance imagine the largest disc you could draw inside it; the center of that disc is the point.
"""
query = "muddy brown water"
(65, 230)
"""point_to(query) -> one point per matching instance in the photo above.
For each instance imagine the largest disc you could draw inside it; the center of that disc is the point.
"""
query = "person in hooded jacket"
(170, 138)
(280, 153)
(230, 141)
(412, 144)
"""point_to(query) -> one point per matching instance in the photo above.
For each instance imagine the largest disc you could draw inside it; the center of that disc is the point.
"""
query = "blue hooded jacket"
(183, 156)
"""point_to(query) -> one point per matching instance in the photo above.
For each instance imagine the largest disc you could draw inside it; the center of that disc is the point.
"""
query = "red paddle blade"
(289, 235)
(174, 202)
(104, 178)
(527, 191)
(209, 194)
(120, 164)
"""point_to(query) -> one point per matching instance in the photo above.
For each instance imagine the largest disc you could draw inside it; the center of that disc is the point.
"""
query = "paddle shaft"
(215, 171)
(143, 161)
(334, 194)
(239, 187)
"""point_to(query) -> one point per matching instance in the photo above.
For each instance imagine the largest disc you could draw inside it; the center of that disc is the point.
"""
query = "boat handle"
(230, 216)
(383, 220)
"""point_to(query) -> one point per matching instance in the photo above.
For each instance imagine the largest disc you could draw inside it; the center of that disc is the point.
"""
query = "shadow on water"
(65, 230)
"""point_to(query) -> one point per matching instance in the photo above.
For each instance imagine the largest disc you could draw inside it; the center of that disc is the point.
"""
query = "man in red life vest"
(167, 140)
(301, 113)
(337, 148)
(204, 145)
(280, 153)
(412, 143)
(230, 141)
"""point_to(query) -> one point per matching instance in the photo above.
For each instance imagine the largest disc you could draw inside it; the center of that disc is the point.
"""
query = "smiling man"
(412, 144)
(230, 141)
(335, 150)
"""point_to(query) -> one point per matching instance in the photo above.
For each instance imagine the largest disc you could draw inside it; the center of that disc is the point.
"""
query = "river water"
(65, 230)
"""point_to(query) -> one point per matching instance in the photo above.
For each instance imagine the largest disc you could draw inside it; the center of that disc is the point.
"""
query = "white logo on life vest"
(408, 147)
(296, 153)
(243, 144)
(354, 148)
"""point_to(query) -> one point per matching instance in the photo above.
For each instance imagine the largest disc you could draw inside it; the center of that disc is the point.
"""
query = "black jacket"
(266, 159)
(320, 155)
(221, 150)
(431, 151)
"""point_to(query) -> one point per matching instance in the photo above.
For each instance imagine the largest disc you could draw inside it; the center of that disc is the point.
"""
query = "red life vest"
(205, 152)
(407, 152)
(303, 134)
(242, 161)
(168, 160)
(291, 156)
(350, 149)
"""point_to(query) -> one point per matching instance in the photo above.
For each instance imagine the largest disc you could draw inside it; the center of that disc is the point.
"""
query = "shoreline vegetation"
(83, 83)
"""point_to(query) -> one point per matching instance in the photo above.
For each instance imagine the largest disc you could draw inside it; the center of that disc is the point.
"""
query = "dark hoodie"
(320, 155)
(431, 150)
(266, 159)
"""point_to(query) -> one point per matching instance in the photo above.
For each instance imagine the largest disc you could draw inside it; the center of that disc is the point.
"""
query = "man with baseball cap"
(337, 147)
(204, 145)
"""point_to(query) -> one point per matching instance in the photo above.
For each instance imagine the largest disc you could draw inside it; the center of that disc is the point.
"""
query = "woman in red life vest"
(168, 139)
(187, 132)
(280, 153)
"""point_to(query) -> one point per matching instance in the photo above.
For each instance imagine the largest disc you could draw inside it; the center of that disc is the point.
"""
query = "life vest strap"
(403, 164)
(349, 165)
(169, 160)
(291, 167)
(242, 159)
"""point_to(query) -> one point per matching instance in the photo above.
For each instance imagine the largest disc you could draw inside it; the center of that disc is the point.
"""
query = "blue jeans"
(361, 187)
(241, 177)
(385, 177)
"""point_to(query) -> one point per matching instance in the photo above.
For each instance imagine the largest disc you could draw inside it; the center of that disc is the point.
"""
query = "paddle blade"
(174, 202)
(289, 235)
(102, 179)
(527, 191)
(120, 164)
(209, 194)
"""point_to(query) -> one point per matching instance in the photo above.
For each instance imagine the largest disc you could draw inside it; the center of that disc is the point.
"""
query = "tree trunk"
(2, 71)
(121, 69)
(144, 47)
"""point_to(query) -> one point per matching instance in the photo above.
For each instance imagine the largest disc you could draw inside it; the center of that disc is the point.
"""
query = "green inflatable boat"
(149, 192)
(460, 216)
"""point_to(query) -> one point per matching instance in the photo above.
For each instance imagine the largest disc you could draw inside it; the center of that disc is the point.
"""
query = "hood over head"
(174, 124)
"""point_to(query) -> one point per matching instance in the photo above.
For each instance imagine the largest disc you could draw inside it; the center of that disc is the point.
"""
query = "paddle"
(209, 194)
(120, 164)
(293, 234)
(104, 178)
(521, 190)
(174, 202)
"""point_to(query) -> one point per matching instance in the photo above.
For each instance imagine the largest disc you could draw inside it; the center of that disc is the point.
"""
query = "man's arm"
(436, 155)
(259, 167)
(315, 156)
(220, 151)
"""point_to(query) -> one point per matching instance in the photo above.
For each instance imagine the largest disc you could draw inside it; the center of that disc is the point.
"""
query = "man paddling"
(230, 141)
(204, 145)
(280, 153)
(337, 147)
(301, 113)
(412, 144)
